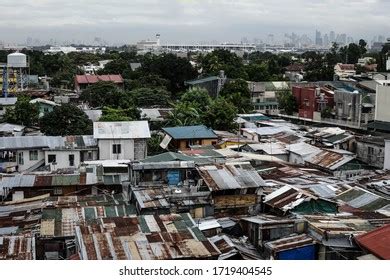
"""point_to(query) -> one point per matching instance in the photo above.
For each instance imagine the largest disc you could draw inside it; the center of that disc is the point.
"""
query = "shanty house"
(122, 140)
(159, 237)
(264, 228)
(298, 200)
(183, 137)
(295, 247)
(234, 187)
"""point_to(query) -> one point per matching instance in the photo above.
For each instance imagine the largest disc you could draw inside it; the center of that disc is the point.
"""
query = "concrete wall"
(127, 149)
(370, 154)
(27, 163)
(382, 112)
(62, 159)
(386, 164)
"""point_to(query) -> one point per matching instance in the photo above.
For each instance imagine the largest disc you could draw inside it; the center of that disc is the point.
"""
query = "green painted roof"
(169, 156)
(190, 132)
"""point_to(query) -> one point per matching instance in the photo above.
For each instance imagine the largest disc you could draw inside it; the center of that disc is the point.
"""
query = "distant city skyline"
(126, 22)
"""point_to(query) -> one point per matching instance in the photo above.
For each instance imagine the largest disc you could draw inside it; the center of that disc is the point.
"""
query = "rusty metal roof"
(65, 213)
(377, 242)
(230, 176)
(18, 247)
(151, 198)
(288, 243)
(163, 237)
(329, 160)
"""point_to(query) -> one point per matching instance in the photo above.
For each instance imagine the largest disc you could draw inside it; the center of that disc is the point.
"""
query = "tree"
(221, 115)
(24, 113)
(237, 92)
(198, 98)
(148, 97)
(258, 72)
(287, 102)
(106, 94)
(119, 115)
(214, 62)
(154, 145)
(363, 46)
(174, 69)
(184, 114)
(66, 120)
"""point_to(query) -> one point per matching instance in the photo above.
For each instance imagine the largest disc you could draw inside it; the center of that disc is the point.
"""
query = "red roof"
(92, 79)
(347, 67)
(377, 242)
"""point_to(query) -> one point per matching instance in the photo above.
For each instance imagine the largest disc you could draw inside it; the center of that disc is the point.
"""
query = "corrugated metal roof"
(329, 160)
(230, 176)
(91, 79)
(30, 142)
(289, 243)
(377, 242)
(19, 247)
(190, 132)
(151, 198)
(363, 199)
(161, 237)
(121, 130)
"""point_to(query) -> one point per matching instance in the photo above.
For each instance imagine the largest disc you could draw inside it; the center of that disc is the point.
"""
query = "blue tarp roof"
(190, 132)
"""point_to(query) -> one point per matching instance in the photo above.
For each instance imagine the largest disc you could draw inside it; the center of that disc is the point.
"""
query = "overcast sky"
(126, 21)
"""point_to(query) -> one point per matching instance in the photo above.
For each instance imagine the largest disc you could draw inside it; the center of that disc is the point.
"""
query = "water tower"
(15, 73)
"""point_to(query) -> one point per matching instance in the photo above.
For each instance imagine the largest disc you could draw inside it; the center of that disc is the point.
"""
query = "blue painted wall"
(303, 253)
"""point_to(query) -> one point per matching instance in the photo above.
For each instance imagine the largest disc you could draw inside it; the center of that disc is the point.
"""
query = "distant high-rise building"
(319, 41)
(271, 39)
(326, 40)
(381, 39)
(332, 37)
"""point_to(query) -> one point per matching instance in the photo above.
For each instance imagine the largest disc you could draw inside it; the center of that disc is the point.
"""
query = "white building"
(382, 112)
(122, 140)
(28, 153)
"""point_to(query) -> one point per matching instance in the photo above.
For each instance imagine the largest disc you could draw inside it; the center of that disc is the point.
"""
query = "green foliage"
(119, 115)
(221, 115)
(258, 72)
(148, 97)
(174, 69)
(197, 97)
(225, 60)
(24, 113)
(107, 94)
(184, 114)
(154, 145)
(148, 81)
(287, 102)
(326, 113)
(237, 92)
(66, 120)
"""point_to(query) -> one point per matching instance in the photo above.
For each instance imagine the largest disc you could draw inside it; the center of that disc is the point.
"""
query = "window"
(370, 150)
(71, 160)
(20, 158)
(33, 155)
(52, 158)
(89, 155)
(116, 149)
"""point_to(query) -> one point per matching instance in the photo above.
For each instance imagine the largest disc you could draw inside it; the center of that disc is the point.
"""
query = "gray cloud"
(188, 20)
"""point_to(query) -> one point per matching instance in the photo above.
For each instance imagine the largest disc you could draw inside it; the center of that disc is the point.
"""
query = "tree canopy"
(66, 120)
(24, 113)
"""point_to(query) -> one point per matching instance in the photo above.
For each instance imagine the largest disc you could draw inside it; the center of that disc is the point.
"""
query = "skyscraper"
(319, 41)
(332, 37)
